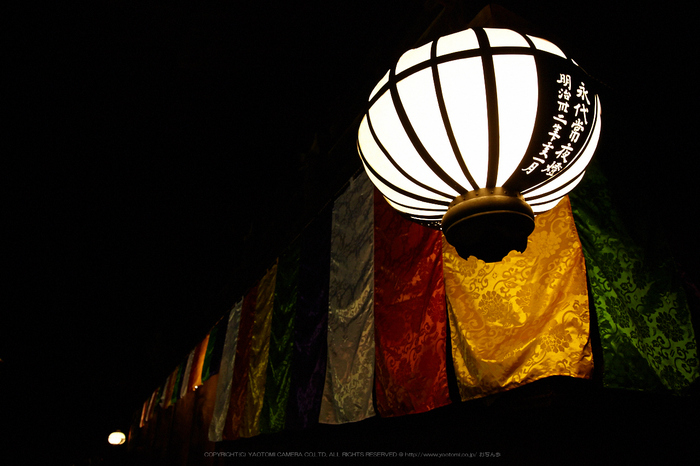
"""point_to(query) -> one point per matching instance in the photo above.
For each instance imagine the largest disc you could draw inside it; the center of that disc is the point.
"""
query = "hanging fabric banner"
(410, 317)
(163, 428)
(199, 444)
(524, 318)
(273, 416)
(154, 402)
(175, 395)
(180, 433)
(168, 391)
(223, 388)
(310, 326)
(646, 334)
(198, 364)
(211, 344)
(259, 352)
(239, 379)
(161, 393)
(151, 405)
(186, 375)
(144, 413)
(347, 395)
(212, 358)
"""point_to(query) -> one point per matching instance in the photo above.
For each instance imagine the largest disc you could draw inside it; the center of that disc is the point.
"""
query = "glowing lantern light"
(116, 438)
(478, 132)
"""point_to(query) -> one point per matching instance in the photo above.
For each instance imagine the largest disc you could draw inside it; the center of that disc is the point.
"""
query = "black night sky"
(162, 154)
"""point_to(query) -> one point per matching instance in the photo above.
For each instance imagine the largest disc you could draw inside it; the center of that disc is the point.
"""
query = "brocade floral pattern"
(646, 334)
(524, 318)
(409, 314)
(347, 394)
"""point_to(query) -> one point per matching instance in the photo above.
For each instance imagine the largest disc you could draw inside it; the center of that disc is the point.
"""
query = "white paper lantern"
(494, 125)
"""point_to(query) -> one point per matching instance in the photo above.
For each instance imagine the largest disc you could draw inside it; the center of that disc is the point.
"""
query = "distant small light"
(116, 438)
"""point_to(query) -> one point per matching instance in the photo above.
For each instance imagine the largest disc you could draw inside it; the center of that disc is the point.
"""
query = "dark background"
(161, 155)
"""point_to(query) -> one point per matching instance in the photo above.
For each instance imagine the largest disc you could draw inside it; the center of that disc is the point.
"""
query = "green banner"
(646, 334)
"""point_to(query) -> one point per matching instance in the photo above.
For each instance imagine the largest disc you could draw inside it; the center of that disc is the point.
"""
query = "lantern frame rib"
(398, 167)
(491, 107)
(415, 140)
(445, 116)
(373, 172)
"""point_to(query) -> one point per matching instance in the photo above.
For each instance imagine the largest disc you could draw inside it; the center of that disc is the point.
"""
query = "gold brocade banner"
(524, 318)
(259, 352)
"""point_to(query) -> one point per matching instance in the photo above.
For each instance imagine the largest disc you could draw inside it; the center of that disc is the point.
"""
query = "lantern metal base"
(488, 223)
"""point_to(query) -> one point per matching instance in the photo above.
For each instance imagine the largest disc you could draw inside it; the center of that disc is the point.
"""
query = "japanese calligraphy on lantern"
(568, 122)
